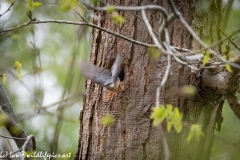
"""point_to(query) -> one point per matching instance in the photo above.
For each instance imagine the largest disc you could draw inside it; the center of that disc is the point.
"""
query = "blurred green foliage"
(227, 141)
(230, 132)
(172, 116)
(50, 78)
(108, 120)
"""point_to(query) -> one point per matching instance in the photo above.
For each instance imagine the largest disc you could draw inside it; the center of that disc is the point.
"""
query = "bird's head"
(113, 86)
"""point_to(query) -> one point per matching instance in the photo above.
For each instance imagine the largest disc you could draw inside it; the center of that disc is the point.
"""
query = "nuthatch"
(101, 76)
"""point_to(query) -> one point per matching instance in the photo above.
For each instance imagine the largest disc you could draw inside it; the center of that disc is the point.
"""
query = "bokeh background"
(48, 98)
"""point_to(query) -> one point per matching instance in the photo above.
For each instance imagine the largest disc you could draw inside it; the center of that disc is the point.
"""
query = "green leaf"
(177, 114)
(190, 136)
(228, 68)
(108, 120)
(206, 58)
(195, 132)
(226, 50)
(95, 1)
(158, 115)
(189, 90)
(178, 126)
(65, 5)
(154, 53)
(118, 19)
(3, 119)
(30, 5)
(18, 66)
(224, 57)
(168, 110)
(74, 4)
(110, 9)
(37, 4)
(4, 78)
(231, 56)
(13, 2)
(176, 118)
(169, 126)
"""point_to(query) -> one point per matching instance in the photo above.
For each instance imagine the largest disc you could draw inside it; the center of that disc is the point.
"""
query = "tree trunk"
(132, 136)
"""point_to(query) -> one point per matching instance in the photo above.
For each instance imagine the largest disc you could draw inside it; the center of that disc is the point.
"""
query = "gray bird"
(101, 76)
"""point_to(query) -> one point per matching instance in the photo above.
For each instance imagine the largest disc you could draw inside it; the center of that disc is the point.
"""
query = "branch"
(150, 30)
(130, 8)
(11, 120)
(233, 102)
(143, 21)
(168, 18)
(229, 39)
(228, 143)
(78, 23)
(24, 147)
(8, 137)
(60, 109)
(190, 30)
(227, 8)
(15, 130)
(6, 105)
(164, 141)
(222, 83)
(9, 8)
(216, 43)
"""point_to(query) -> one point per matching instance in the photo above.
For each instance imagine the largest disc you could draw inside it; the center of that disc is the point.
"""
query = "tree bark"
(132, 136)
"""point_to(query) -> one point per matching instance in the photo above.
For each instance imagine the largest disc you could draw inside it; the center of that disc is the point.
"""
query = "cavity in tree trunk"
(132, 136)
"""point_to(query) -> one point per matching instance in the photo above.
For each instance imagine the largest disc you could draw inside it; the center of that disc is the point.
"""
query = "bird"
(101, 76)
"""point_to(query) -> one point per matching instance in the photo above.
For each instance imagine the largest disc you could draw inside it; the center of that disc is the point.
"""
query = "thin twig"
(9, 8)
(143, 21)
(165, 144)
(190, 52)
(234, 44)
(227, 9)
(164, 141)
(150, 30)
(166, 44)
(187, 51)
(78, 23)
(167, 71)
(11, 137)
(81, 16)
(130, 8)
(190, 30)
(228, 143)
(23, 148)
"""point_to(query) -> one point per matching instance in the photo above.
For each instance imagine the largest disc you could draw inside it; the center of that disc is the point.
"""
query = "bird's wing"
(98, 75)
(116, 67)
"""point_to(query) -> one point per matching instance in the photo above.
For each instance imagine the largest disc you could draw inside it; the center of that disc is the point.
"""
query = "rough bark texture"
(132, 136)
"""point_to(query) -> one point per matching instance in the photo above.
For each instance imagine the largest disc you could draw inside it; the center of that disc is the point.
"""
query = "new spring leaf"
(32, 5)
(108, 120)
(110, 9)
(195, 132)
(18, 66)
(158, 115)
(206, 58)
(118, 19)
(175, 119)
(4, 78)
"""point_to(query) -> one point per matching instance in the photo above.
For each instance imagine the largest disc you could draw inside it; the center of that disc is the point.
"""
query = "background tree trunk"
(132, 136)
